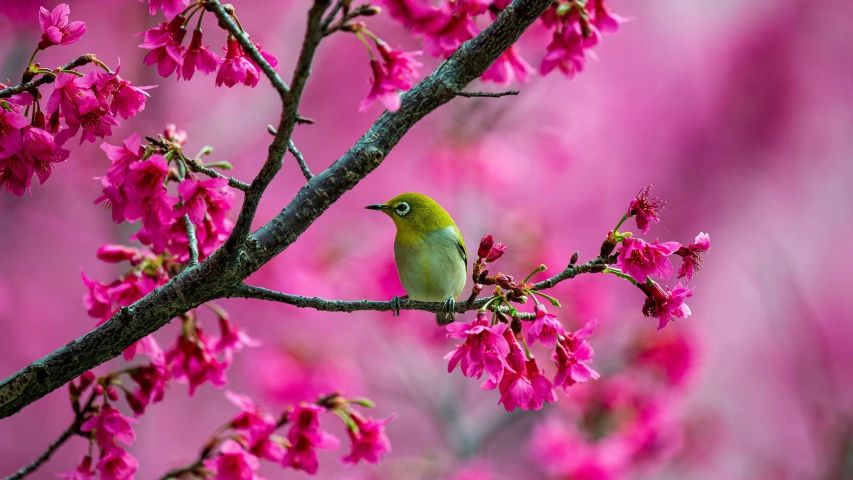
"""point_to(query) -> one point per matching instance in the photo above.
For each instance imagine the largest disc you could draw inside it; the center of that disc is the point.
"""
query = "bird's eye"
(402, 208)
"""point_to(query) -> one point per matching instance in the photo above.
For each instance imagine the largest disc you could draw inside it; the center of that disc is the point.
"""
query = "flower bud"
(485, 246)
(116, 253)
(99, 390)
(608, 245)
(496, 252)
(112, 393)
(373, 10)
(483, 317)
(135, 404)
(86, 379)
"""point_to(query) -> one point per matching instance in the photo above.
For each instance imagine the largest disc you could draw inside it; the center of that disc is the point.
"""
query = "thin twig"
(199, 168)
(332, 14)
(47, 77)
(290, 97)
(296, 153)
(486, 94)
(69, 432)
(359, 11)
(247, 291)
(192, 241)
(299, 158)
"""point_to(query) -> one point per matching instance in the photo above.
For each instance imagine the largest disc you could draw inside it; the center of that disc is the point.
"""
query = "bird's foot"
(446, 316)
(395, 304)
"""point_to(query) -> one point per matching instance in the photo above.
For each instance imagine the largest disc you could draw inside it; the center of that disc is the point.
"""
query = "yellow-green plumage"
(429, 250)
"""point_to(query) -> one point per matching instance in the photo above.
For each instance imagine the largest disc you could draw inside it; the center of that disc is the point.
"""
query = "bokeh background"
(739, 113)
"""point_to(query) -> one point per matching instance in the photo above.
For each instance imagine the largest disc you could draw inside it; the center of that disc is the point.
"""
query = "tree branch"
(486, 94)
(46, 78)
(192, 241)
(221, 272)
(595, 265)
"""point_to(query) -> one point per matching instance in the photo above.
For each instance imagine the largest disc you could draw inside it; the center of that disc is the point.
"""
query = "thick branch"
(595, 265)
(486, 94)
(46, 78)
(222, 271)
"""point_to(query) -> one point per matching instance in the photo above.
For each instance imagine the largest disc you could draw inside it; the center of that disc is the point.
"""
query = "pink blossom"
(236, 67)
(73, 96)
(15, 174)
(56, 27)
(566, 52)
(175, 135)
(97, 299)
(571, 355)
(445, 38)
(192, 361)
(496, 252)
(545, 328)
(146, 346)
(198, 57)
(131, 288)
(234, 463)
(110, 424)
(471, 7)
(418, 16)
(257, 428)
(201, 197)
(232, 338)
(401, 66)
(164, 41)
(485, 348)
(305, 437)
(146, 179)
(270, 58)
(171, 8)
(640, 259)
(11, 140)
(369, 441)
(121, 157)
(508, 68)
(41, 150)
(116, 464)
(382, 88)
(82, 472)
(667, 305)
(152, 381)
(604, 19)
(122, 97)
(692, 256)
(645, 208)
(670, 353)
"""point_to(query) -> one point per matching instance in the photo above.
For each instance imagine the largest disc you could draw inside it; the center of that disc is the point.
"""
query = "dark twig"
(69, 432)
(197, 167)
(332, 14)
(47, 77)
(299, 158)
(290, 101)
(192, 241)
(365, 9)
(486, 94)
(217, 275)
(179, 472)
(595, 265)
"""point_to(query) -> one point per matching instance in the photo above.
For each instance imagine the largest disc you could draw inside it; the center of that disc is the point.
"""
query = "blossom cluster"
(639, 260)
(168, 53)
(576, 26)
(31, 136)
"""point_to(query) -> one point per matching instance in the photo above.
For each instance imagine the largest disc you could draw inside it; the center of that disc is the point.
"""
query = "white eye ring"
(402, 209)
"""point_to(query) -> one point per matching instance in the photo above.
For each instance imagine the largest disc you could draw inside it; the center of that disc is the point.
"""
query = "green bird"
(429, 251)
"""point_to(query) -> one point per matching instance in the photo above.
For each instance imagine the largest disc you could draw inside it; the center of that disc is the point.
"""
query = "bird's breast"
(432, 269)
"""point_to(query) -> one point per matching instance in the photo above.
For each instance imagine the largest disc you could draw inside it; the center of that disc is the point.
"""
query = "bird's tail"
(444, 318)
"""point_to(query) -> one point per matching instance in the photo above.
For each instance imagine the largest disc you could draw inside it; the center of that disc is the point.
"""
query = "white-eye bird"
(429, 251)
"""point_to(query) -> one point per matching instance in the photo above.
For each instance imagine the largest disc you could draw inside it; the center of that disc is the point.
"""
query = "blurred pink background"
(739, 113)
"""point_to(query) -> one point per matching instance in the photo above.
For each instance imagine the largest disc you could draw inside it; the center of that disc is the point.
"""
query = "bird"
(429, 252)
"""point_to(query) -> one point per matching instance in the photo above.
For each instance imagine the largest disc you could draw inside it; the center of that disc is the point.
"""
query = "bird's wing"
(464, 255)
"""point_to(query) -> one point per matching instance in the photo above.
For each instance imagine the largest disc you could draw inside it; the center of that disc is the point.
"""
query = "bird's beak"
(380, 207)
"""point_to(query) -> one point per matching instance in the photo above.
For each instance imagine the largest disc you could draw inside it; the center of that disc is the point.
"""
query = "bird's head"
(414, 214)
